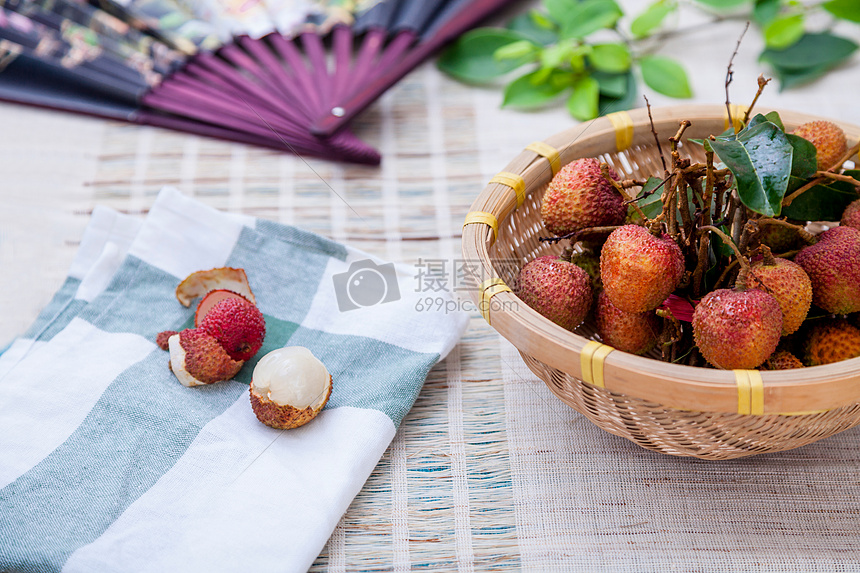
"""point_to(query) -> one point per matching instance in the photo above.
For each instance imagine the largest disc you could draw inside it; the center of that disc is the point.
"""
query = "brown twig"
(762, 82)
(821, 176)
(656, 139)
(730, 75)
(575, 235)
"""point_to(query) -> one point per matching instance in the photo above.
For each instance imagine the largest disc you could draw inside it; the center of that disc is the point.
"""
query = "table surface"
(489, 470)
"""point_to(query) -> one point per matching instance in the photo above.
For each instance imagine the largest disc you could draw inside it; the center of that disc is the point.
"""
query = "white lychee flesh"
(177, 363)
(292, 376)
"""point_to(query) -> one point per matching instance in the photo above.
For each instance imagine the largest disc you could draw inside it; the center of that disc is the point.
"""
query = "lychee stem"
(767, 258)
(727, 240)
(604, 170)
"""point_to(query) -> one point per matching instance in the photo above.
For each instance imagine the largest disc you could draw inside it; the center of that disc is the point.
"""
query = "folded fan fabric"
(110, 464)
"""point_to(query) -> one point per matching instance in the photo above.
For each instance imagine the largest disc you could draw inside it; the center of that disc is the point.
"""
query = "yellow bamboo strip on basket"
(482, 217)
(623, 125)
(490, 288)
(738, 111)
(515, 182)
(592, 357)
(548, 152)
(750, 392)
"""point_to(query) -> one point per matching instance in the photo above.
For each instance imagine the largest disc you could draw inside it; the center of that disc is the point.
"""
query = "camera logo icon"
(365, 284)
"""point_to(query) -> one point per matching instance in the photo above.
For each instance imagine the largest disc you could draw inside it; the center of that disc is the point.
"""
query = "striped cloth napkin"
(108, 463)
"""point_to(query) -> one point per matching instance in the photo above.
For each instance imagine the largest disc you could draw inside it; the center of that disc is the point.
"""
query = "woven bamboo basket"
(670, 408)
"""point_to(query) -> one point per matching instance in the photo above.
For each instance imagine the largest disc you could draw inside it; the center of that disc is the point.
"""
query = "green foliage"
(560, 52)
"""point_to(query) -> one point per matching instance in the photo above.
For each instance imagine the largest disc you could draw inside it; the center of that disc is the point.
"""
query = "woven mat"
(489, 470)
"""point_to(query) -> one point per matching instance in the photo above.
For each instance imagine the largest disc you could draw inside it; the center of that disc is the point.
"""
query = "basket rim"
(808, 390)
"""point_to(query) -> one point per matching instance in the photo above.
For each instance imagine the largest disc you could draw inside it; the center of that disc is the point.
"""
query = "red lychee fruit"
(851, 215)
(833, 266)
(634, 332)
(209, 301)
(788, 283)
(829, 341)
(557, 289)
(237, 325)
(783, 360)
(579, 197)
(737, 329)
(639, 270)
(196, 358)
(828, 138)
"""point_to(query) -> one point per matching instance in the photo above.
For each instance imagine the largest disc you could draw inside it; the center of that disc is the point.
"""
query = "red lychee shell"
(578, 197)
(634, 332)
(851, 215)
(557, 289)
(639, 270)
(210, 300)
(830, 341)
(833, 266)
(284, 417)
(237, 325)
(789, 284)
(737, 329)
(205, 360)
(162, 338)
(828, 138)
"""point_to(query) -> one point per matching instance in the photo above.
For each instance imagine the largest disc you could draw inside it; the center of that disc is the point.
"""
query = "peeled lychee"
(199, 283)
(237, 325)
(196, 359)
(789, 284)
(289, 387)
(634, 332)
(828, 138)
(831, 340)
(737, 329)
(639, 270)
(851, 215)
(833, 266)
(579, 197)
(557, 289)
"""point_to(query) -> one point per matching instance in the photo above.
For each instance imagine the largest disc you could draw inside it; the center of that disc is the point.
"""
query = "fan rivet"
(338, 111)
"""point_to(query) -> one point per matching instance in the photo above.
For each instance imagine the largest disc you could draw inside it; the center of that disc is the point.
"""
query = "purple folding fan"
(284, 74)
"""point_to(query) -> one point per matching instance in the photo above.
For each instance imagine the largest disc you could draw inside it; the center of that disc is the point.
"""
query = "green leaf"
(522, 49)
(652, 17)
(784, 31)
(611, 85)
(610, 104)
(666, 76)
(765, 11)
(588, 16)
(821, 203)
(804, 160)
(472, 57)
(722, 5)
(558, 9)
(760, 159)
(610, 57)
(845, 9)
(523, 92)
(536, 27)
(582, 103)
(793, 78)
(650, 202)
(821, 49)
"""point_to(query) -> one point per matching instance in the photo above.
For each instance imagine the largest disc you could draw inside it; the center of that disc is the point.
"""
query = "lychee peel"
(833, 266)
(559, 290)
(578, 197)
(737, 329)
(237, 325)
(197, 359)
(639, 270)
(210, 300)
(199, 283)
(783, 360)
(162, 338)
(289, 387)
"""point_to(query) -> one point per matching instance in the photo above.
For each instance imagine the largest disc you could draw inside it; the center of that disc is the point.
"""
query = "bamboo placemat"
(489, 471)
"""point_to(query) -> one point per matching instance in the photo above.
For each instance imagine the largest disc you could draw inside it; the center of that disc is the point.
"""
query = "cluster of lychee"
(629, 276)
(289, 386)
